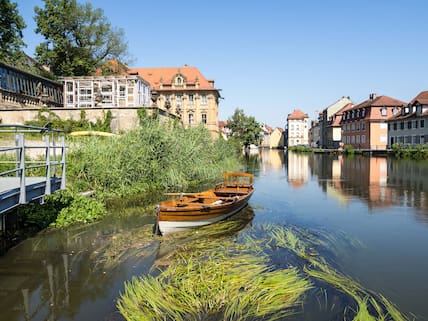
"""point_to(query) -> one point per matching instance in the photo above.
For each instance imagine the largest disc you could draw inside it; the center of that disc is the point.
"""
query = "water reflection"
(381, 182)
(77, 274)
(55, 275)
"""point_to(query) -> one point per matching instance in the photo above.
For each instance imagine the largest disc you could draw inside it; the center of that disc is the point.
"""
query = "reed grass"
(152, 157)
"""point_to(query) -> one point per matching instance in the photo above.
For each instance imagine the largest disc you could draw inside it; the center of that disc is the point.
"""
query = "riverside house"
(365, 125)
(185, 92)
(330, 136)
(297, 130)
(410, 126)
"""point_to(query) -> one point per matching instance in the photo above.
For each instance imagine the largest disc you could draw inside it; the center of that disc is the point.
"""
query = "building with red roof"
(410, 126)
(365, 125)
(185, 92)
(297, 131)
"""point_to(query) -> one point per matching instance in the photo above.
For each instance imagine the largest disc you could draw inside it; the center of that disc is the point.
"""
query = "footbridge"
(32, 165)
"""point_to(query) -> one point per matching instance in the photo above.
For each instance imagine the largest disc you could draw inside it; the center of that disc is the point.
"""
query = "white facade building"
(106, 91)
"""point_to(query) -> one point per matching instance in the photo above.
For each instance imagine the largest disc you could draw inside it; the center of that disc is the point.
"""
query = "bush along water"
(418, 152)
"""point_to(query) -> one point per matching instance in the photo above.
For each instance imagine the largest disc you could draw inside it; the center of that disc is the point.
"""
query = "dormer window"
(178, 80)
(363, 113)
(383, 112)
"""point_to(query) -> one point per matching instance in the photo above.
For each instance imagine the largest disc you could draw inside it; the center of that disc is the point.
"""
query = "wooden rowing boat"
(197, 209)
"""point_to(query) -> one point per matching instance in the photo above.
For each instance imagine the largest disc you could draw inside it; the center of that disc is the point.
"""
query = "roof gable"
(297, 114)
(167, 76)
(421, 98)
(381, 101)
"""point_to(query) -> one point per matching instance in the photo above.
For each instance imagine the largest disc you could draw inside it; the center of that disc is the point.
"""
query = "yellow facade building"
(184, 91)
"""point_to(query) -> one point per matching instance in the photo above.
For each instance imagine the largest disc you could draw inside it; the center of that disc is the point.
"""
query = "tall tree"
(78, 38)
(11, 26)
(244, 128)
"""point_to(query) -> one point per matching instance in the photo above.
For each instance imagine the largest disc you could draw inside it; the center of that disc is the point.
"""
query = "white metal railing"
(23, 163)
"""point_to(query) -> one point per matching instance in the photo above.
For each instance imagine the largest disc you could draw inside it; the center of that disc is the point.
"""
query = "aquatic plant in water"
(216, 274)
(239, 287)
(370, 306)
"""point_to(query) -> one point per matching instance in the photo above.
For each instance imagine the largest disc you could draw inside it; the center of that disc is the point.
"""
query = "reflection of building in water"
(408, 180)
(272, 158)
(381, 182)
(297, 169)
(366, 177)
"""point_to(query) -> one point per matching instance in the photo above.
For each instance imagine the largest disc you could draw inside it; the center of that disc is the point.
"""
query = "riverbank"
(398, 150)
(150, 160)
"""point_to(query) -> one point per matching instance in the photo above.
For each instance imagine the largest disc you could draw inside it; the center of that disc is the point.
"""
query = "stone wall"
(124, 118)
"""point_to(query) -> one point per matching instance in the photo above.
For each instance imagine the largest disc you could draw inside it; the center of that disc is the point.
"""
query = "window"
(178, 99)
(204, 118)
(383, 111)
(190, 119)
(363, 113)
(416, 124)
(402, 125)
(191, 99)
(122, 92)
(409, 124)
(363, 126)
(363, 139)
(422, 123)
(416, 139)
(395, 126)
(203, 99)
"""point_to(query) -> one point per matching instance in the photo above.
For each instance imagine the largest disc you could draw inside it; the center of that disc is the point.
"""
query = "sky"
(271, 57)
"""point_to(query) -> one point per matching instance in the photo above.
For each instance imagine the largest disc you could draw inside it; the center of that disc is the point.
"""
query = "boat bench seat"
(225, 191)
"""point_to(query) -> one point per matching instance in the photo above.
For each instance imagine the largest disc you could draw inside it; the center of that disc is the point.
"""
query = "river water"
(379, 203)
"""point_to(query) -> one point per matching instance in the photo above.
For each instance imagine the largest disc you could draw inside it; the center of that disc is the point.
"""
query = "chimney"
(372, 96)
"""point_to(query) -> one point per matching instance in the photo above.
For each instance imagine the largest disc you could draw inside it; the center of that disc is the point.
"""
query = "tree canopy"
(78, 38)
(11, 26)
(244, 128)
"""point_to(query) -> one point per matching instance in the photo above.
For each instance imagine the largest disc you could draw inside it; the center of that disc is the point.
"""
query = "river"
(379, 203)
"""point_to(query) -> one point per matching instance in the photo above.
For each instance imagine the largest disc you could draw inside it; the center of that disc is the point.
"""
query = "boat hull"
(198, 209)
(166, 227)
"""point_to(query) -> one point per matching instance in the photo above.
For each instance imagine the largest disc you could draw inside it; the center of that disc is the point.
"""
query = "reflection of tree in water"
(252, 164)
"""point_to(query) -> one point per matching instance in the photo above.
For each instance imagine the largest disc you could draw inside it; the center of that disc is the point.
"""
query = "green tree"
(244, 128)
(78, 38)
(11, 26)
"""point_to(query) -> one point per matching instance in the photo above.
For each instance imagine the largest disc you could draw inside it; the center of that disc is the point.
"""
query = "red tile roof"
(422, 98)
(381, 101)
(297, 114)
(222, 123)
(166, 76)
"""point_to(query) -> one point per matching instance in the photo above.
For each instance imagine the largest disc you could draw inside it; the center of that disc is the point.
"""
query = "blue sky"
(271, 57)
